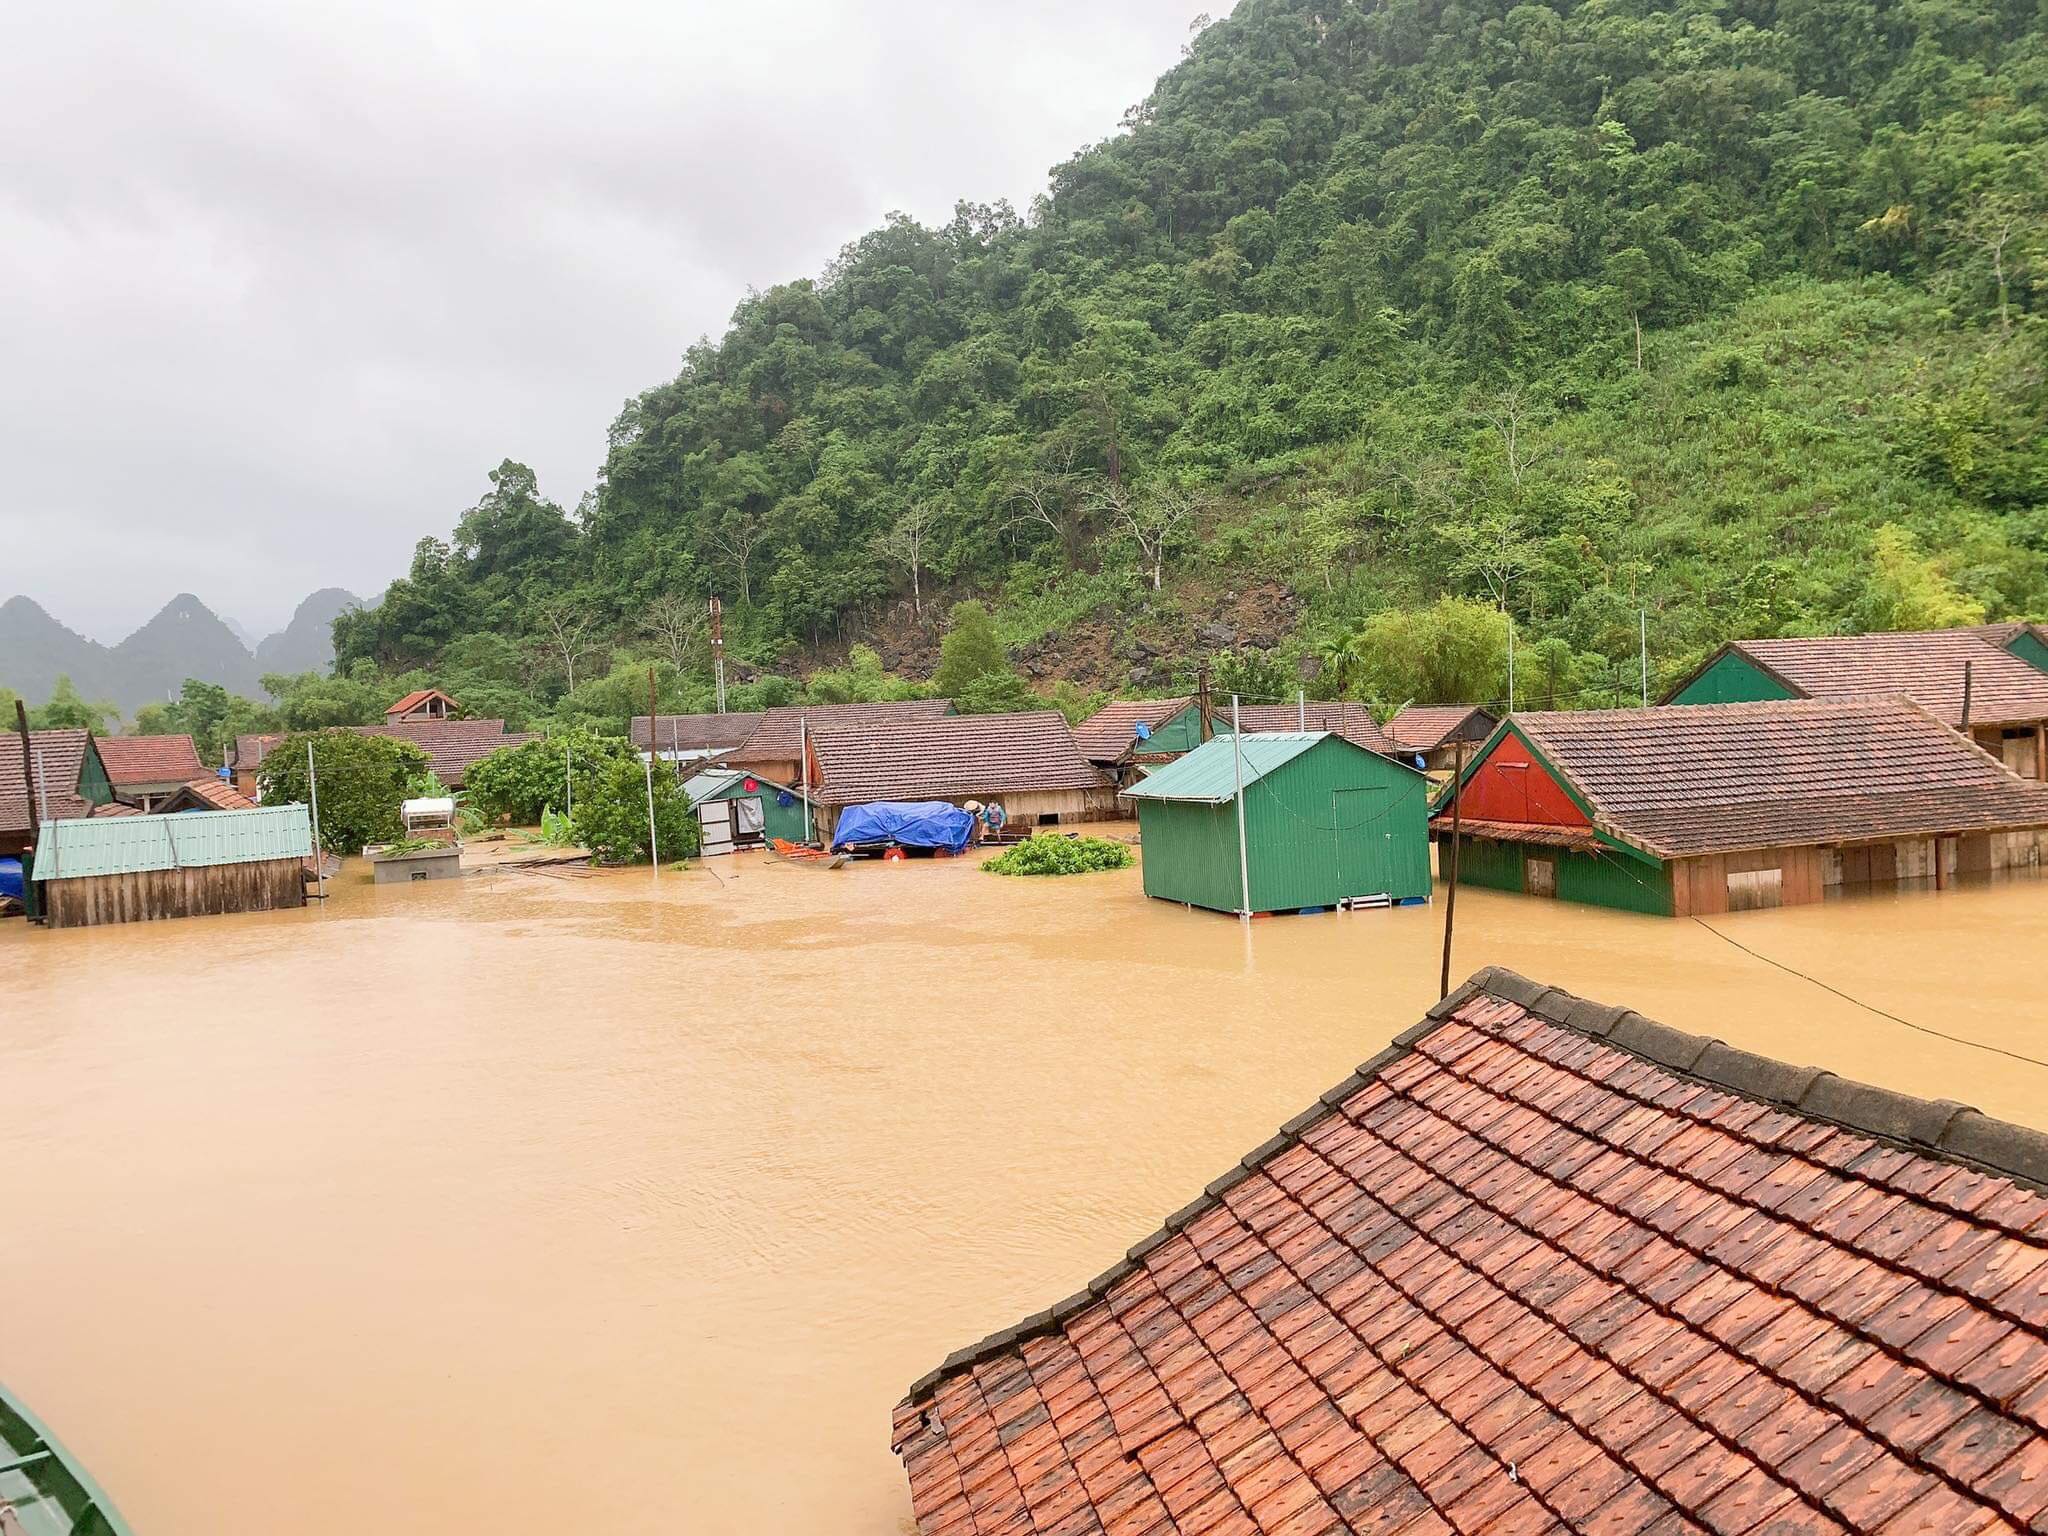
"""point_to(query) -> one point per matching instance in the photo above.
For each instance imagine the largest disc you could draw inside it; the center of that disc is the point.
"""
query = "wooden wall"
(1699, 887)
(141, 898)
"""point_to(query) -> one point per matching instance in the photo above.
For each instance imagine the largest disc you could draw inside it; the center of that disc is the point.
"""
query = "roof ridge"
(1938, 1128)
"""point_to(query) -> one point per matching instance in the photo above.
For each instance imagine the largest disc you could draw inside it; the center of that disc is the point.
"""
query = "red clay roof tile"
(1440, 1305)
(137, 760)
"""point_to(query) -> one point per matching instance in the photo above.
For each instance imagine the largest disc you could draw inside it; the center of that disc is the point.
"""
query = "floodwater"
(631, 1203)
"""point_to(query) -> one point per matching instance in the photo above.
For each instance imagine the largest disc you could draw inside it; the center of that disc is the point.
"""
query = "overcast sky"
(280, 283)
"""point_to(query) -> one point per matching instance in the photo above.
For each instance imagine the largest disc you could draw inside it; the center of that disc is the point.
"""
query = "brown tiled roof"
(1541, 1267)
(149, 760)
(219, 794)
(776, 738)
(451, 745)
(1112, 731)
(697, 732)
(60, 758)
(1540, 833)
(1684, 779)
(2002, 635)
(418, 697)
(1354, 722)
(1926, 666)
(949, 757)
(115, 808)
(1425, 727)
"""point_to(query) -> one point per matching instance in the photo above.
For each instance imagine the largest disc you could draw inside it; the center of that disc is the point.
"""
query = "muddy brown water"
(632, 1203)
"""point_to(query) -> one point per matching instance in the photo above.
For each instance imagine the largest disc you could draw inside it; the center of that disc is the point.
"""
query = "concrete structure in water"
(1690, 810)
(1541, 1267)
(1325, 821)
(131, 869)
(1999, 667)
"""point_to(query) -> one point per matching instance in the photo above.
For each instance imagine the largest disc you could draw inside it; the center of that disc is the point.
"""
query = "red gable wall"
(1512, 786)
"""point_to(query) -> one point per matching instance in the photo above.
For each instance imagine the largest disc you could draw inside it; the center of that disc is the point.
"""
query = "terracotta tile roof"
(1541, 834)
(1354, 722)
(776, 738)
(1926, 666)
(697, 732)
(115, 808)
(220, 794)
(60, 759)
(1425, 727)
(1540, 1267)
(950, 757)
(451, 745)
(1684, 779)
(2002, 635)
(133, 760)
(416, 698)
(1112, 731)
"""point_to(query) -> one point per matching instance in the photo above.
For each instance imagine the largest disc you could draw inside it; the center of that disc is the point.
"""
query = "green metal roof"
(127, 845)
(1209, 773)
(713, 781)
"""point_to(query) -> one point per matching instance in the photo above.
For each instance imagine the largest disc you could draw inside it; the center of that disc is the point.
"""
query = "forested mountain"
(1725, 312)
(306, 644)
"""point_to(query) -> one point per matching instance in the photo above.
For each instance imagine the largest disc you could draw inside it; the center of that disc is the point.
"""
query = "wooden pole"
(1202, 699)
(568, 782)
(803, 736)
(1966, 699)
(28, 768)
(1244, 868)
(653, 844)
(1451, 894)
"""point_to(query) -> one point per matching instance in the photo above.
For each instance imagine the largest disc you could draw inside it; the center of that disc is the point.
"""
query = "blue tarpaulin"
(912, 823)
(10, 878)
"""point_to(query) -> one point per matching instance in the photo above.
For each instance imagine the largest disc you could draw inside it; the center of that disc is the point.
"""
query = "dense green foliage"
(363, 780)
(611, 815)
(1054, 853)
(1576, 310)
(518, 784)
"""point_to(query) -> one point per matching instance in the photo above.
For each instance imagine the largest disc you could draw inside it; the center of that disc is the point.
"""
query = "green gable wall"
(2028, 647)
(1331, 823)
(1731, 680)
(93, 783)
(1182, 733)
(1600, 880)
(783, 821)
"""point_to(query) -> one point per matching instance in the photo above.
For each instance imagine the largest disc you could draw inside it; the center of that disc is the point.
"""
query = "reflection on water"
(632, 1203)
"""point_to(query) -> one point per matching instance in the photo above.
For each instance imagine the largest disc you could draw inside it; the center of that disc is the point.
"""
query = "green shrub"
(363, 780)
(522, 782)
(1054, 853)
(611, 815)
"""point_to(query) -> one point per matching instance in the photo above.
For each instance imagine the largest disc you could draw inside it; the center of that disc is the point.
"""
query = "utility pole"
(313, 793)
(1244, 868)
(1202, 698)
(653, 730)
(1965, 727)
(1643, 631)
(1511, 663)
(568, 782)
(1451, 894)
(1301, 710)
(803, 737)
(653, 843)
(718, 651)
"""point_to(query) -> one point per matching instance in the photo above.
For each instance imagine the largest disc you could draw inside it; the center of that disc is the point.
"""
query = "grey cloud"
(278, 284)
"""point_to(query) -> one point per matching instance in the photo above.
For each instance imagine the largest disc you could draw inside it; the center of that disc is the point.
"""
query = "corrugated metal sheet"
(125, 845)
(1208, 775)
(715, 781)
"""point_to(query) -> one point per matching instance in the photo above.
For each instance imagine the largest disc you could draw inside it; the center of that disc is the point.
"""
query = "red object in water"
(750, 784)
(893, 854)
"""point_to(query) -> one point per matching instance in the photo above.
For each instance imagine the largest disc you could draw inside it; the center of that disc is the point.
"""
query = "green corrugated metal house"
(754, 809)
(1325, 822)
(127, 869)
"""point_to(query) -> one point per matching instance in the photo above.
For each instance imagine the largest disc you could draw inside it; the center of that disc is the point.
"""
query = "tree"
(611, 815)
(1910, 591)
(996, 693)
(363, 781)
(1153, 520)
(517, 784)
(1999, 225)
(566, 636)
(970, 651)
(67, 710)
(904, 543)
(675, 623)
(735, 540)
(1452, 652)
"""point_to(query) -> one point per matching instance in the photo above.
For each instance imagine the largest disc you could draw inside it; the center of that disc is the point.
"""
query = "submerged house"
(774, 749)
(1434, 732)
(2007, 708)
(69, 783)
(1127, 736)
(693, 739)
(451, 746)
(2027, 641)
(133, 869)
(1325, 822)
(145, 770)
(1539, 1268)
(1686, 810)
(738, 810)
(1354, 722)
(1027, 763)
